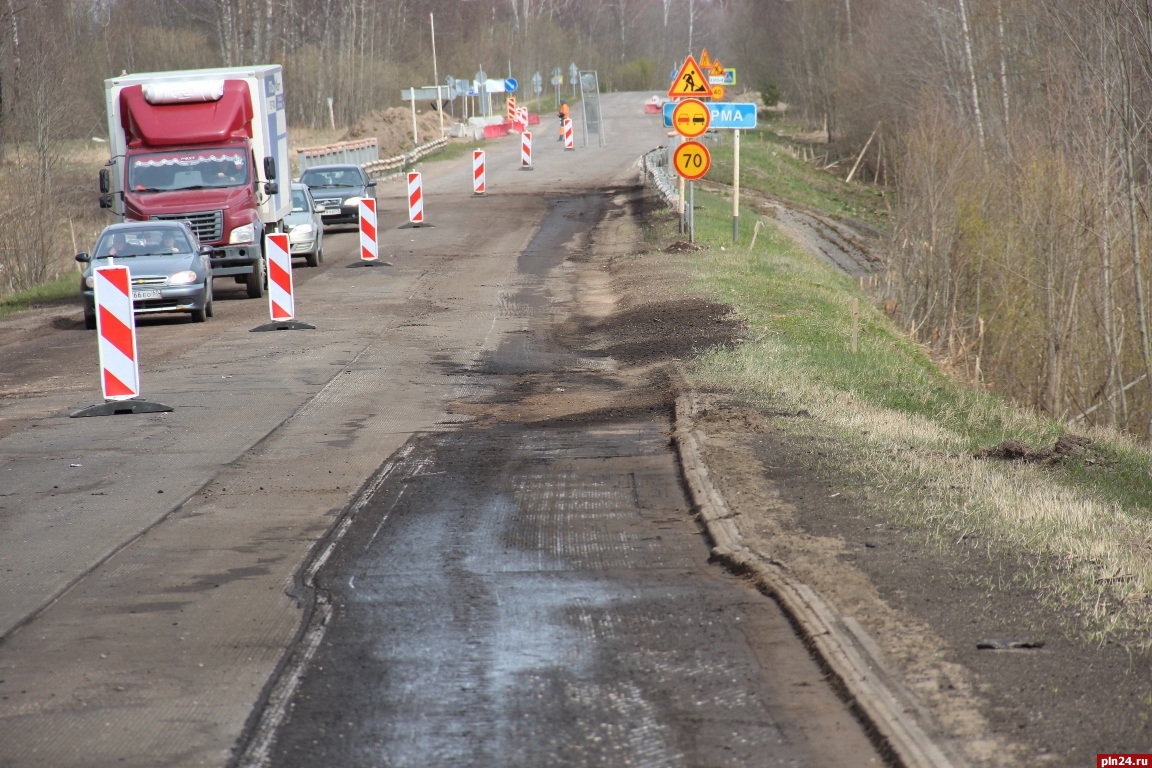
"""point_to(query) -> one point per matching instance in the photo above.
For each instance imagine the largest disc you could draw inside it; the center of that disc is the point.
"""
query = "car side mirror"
(83, 258)
(105, 181)
(271, 188)
(371, 182)
(270, 170)
(317, 209)
(205, 250)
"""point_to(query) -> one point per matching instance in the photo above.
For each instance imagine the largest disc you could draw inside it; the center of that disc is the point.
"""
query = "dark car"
(338, 190)
(171, 271)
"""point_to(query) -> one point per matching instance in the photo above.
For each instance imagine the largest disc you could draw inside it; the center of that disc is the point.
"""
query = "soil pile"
(393, 129)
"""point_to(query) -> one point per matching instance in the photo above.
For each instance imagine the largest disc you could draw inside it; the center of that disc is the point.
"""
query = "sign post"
(736, 186)
(691, 160)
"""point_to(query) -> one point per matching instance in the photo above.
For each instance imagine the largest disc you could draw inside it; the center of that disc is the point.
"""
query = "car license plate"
(145, 295)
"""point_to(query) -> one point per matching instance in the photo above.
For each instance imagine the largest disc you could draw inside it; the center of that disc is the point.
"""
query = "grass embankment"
(770, 162)
(1081, 527)
(61, 290)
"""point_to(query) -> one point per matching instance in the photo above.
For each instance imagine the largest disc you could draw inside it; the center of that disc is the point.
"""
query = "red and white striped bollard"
(369, 246)
(526, 151)
(281, 305)
(415, 198)
(479, 186)
(116, 331)
(568, 142)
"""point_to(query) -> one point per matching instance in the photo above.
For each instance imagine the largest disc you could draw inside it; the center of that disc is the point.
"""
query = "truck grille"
(208, 225)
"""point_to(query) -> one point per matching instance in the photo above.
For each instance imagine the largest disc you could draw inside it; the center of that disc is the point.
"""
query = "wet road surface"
(532, 594)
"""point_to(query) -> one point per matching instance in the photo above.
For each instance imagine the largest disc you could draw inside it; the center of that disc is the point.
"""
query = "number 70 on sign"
(692, 160)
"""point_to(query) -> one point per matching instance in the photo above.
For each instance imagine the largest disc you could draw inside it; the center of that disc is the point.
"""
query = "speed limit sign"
(692, 160)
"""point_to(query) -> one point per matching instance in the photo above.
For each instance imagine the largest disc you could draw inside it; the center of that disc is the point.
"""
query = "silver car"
(171, 271)
(304, 226)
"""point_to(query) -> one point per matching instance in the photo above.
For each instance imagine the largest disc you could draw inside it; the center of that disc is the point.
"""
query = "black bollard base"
(120, 408)
(284, 325)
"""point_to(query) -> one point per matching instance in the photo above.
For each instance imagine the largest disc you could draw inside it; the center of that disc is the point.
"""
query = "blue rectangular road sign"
(725, 114)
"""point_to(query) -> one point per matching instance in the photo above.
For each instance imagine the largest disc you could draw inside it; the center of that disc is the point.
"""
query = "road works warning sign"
(690, 82)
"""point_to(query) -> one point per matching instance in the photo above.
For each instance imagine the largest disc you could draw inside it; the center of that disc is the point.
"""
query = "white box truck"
(207, 146)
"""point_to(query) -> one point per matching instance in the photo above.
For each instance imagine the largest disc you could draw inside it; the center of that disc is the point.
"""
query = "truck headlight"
(243, 234)
(182, 278)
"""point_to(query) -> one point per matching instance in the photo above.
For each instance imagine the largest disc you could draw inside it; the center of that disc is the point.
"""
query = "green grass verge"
(769, 163)
(908, 431)
(57, 291)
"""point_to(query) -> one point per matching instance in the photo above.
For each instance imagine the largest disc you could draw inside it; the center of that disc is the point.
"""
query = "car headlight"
(304, 230)
(244, 234)
(90, 281)
(353, 201)
(182, 278)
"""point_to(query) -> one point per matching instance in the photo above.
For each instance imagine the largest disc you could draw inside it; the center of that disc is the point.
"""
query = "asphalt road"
(155, 565)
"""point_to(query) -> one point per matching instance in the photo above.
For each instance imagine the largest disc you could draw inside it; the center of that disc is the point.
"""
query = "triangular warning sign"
(717, 70)
(705, 62)
(690, 81)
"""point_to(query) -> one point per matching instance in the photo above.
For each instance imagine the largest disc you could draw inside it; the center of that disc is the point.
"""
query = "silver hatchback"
(304, 226)
(171, 271)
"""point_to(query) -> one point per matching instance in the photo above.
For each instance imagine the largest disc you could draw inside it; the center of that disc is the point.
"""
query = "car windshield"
(165, 241)
(168, 171)
(300, 200)
(332, 177)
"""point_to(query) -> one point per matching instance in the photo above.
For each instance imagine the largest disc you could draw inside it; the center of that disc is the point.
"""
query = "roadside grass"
(769, 163)
(1082, 527)
(57, 291)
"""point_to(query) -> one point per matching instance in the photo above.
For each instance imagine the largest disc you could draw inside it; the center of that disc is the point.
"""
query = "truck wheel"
(255, 281)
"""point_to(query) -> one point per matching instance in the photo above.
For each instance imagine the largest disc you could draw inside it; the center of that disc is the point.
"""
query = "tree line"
(55, 55)
(1022, 183)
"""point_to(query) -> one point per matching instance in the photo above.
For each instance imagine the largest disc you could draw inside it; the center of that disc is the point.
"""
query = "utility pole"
(435, 77)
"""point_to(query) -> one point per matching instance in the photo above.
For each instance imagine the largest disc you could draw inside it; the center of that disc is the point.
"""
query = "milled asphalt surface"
(152, 562)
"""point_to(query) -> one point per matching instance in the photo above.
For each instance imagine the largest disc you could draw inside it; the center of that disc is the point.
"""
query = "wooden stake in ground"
(862, 153)
(755, 231)
(855, 323)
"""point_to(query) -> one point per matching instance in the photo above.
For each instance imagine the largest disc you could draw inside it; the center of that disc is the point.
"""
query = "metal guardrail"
(403, 161)
(656, 165)
(360, 152)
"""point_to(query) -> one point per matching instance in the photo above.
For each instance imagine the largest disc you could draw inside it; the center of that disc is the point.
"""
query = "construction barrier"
(526, 151)
(415, 198)
(369, 247)
(280, 302)
(479, 187)
(116, 330)
(568, 141)
(511, 109)
(497, 131)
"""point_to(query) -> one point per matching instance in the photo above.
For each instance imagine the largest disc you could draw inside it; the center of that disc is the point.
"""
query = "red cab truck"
(206, 146)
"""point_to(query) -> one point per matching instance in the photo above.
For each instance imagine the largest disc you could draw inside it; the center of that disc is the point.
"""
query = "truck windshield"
(167, 171)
